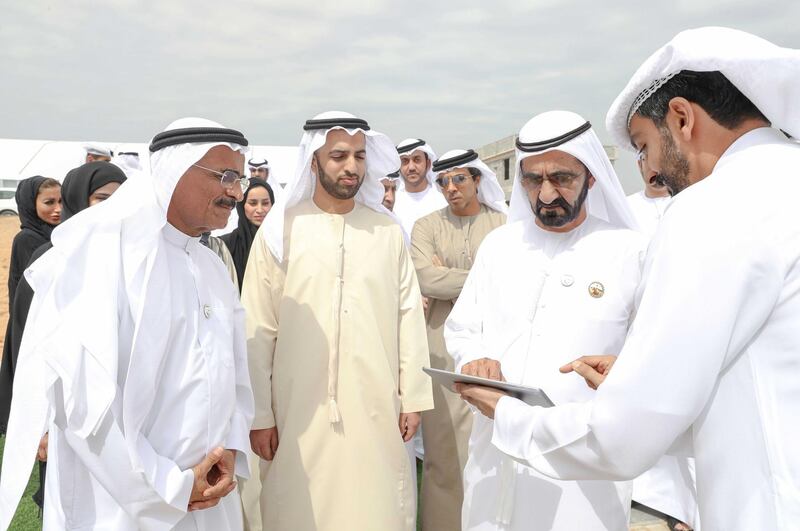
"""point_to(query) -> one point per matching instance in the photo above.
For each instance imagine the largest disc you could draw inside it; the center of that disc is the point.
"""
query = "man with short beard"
(710, 365)
(336, 341)
(416, 197)
(559, 278)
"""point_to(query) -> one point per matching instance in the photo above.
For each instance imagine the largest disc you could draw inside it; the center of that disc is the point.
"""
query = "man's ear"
(681, 118)
(314, 168)
(590, 180)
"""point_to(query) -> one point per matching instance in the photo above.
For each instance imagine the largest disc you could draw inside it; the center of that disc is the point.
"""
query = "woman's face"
(257, 205)
(48, 204)
(103, 193)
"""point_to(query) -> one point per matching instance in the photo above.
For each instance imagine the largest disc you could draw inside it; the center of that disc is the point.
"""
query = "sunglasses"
(458, 180)
(228, 178)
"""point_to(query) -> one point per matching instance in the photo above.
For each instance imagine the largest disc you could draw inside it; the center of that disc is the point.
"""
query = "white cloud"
(456, 73)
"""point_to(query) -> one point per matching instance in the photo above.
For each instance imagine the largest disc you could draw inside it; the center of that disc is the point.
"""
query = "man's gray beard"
(571, 212)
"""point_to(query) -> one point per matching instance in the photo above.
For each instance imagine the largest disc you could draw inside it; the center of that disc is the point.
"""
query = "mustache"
(658, 180)
(557, 202)
(662, 180)
(350, 175)
(226, 202)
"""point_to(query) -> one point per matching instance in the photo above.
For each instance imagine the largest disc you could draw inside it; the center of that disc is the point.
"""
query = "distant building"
(499, 156)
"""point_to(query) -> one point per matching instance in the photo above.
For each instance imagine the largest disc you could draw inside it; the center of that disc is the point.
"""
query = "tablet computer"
(530, 395)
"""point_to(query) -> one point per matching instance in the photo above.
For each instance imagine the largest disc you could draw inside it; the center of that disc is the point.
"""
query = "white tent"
(54, 158)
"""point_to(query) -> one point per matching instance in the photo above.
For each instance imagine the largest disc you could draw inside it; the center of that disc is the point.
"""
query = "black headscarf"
(34, 232)
(240, 240)
(81, 182)
(25, 196)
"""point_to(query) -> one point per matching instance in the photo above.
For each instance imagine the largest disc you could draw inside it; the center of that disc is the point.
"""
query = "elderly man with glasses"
(134, 356)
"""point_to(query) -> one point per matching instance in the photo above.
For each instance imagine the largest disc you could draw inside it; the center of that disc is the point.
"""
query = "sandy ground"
(9, 227)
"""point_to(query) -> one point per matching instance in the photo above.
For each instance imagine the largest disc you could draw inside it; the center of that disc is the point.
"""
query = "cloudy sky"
(457, 73)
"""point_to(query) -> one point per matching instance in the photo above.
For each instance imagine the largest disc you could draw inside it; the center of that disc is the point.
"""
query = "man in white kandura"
(336, 340)
(556, 282)
(259, 167)
(443, 247)
(710, 364)
(134, 356)
(648, 206)
(416, 196)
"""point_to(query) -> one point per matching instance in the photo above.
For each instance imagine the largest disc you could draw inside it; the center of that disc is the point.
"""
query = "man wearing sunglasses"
(443, 247)
(557, 280)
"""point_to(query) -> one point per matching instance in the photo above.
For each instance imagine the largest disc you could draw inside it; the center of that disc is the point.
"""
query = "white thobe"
(336, 327)
(203, 400)
(410, 206)
(527, 303)
(648, 211)
(714, 350)
(668, 487)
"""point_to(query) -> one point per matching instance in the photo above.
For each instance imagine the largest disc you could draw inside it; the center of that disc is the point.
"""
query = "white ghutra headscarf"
(490, 193)
(381, 160)
(768, 75)
(569, 132)
(409, 146)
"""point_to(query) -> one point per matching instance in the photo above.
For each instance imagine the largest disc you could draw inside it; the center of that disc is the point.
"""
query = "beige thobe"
(347, 276)
(446, 428)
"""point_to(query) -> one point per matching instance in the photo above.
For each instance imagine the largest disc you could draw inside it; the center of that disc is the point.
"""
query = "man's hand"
(483, 398)
(426, 305)
(484, 368)
(594, 369)
(41, 453)
(213, 479)
(409, 423)
(436, 261)
(264, 442)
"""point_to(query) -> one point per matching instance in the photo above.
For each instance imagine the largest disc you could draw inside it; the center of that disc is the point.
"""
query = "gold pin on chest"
(596, 290)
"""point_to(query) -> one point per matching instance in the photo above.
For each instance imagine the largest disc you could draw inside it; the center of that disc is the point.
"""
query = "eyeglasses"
(228, 178)
(457, 179)
(559, 180)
